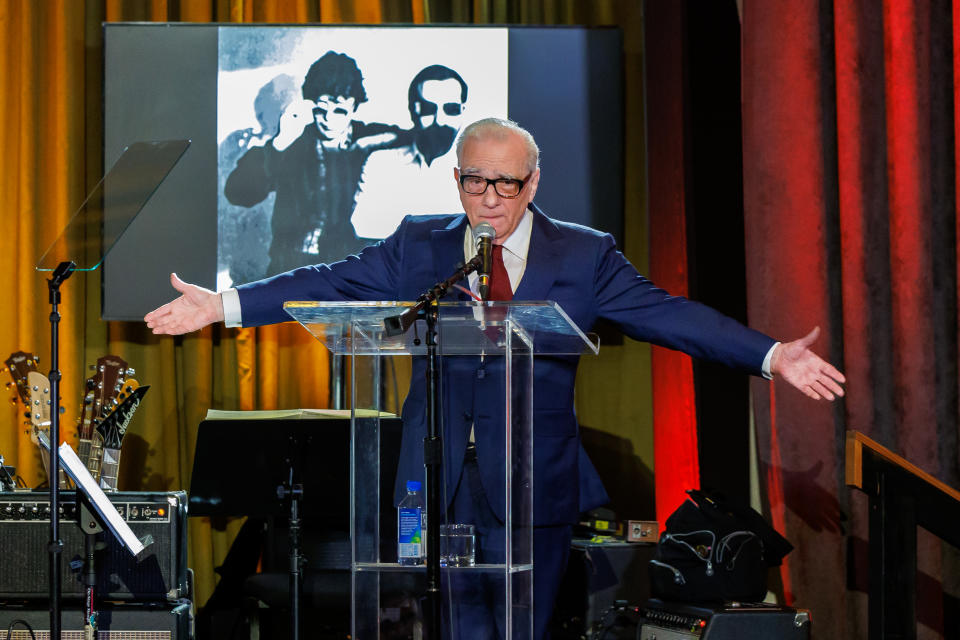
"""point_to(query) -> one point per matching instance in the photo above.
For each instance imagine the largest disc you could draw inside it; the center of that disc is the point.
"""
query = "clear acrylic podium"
(503, 337)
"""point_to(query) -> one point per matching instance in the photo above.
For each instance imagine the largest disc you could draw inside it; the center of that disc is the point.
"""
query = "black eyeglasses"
(505, 187)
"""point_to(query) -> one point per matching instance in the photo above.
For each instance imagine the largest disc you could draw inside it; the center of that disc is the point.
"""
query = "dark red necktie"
(500, 288)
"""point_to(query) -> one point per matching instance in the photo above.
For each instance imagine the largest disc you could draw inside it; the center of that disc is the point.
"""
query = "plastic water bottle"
(410, 526)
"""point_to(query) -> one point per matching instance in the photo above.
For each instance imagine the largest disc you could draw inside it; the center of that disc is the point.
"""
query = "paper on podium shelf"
(293, 414)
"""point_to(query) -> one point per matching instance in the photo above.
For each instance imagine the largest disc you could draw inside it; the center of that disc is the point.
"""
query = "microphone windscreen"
(484, 230)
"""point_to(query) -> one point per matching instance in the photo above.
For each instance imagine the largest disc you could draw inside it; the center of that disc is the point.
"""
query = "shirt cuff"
(765, 368)
(231, 309)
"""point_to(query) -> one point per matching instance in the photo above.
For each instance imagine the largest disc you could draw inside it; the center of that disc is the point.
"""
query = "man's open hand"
(194, 309)
(805, 370)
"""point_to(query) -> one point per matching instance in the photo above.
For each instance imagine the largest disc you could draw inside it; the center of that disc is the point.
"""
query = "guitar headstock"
(113, 427)
(100, 392)
(19, 364)
(127, 388)
(111, 371)
(39, 390)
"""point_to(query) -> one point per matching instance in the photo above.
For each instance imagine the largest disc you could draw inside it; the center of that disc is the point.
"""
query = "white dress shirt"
(514, 252)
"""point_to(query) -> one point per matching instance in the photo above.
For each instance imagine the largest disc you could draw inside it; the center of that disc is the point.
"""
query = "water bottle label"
(410, 536)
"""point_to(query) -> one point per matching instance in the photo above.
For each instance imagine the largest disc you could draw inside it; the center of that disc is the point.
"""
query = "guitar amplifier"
(123, 622)
(733, 621)
(159, 575)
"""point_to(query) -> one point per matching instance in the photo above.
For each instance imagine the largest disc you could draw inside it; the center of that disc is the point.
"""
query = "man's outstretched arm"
(194, 309)
(805, 370)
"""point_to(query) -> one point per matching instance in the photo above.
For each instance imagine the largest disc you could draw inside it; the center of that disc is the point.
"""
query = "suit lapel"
(542, 259)
(447, 247)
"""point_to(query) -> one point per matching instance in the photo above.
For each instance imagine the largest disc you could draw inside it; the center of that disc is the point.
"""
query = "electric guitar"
(100, 398)
(112, 428)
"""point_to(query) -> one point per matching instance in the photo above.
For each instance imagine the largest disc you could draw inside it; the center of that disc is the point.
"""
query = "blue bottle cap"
(413, 485)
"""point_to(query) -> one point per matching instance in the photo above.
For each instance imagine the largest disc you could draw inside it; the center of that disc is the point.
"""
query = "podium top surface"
(465, 328)
(112, 205)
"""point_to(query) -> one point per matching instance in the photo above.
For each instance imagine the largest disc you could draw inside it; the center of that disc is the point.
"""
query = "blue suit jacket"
(575, 266)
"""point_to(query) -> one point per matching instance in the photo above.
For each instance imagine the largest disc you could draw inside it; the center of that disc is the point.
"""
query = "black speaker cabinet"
(598, 576)
(122, 622)
(160, 575)
(731, 621)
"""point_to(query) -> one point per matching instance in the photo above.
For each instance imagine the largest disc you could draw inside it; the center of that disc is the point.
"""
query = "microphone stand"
(397, 325)
(432, 443)
(55, 546)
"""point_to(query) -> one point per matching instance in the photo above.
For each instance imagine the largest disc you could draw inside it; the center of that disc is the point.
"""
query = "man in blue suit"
(543, 259)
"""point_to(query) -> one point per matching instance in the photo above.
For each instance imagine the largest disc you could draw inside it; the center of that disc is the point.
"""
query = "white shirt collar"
(516, 247)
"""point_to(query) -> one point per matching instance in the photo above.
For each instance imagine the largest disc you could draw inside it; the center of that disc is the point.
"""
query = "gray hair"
(499, 128)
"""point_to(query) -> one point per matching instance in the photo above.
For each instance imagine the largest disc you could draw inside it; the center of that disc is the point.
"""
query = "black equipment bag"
(715, 551)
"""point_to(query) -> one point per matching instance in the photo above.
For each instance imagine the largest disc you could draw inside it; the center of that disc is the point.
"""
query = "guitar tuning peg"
(36, 359)
(93, 367)
(131, 371)
(26, 414)
(46, 390)
(62, 410)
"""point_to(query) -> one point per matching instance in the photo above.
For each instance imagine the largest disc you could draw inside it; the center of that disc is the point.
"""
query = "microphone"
(483, 234)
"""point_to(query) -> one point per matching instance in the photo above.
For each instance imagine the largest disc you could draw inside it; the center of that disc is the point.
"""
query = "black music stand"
(297, 468)
(96, 513)
(82, 246)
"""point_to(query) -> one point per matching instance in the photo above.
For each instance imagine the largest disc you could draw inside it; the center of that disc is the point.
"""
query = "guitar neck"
(62, 479)
(109, 469)
(94, 455)
(83, 450)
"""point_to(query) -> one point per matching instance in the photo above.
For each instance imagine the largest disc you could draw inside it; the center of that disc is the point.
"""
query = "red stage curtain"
(850, 190)
(676, 464)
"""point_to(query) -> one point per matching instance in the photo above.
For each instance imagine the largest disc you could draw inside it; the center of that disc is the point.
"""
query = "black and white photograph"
(327, 139)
